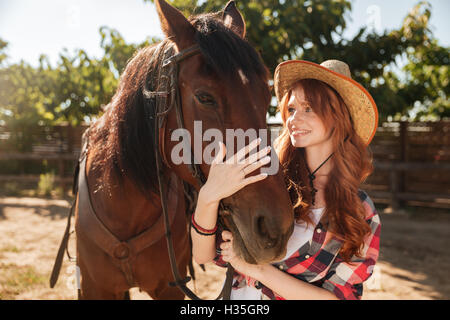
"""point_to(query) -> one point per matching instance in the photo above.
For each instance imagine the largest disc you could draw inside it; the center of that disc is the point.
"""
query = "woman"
(329, 120)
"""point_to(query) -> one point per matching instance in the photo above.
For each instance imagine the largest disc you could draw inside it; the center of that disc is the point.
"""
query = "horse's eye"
(206, 99)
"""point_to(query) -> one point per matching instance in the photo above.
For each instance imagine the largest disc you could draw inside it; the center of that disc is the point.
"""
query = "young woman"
(329, 120)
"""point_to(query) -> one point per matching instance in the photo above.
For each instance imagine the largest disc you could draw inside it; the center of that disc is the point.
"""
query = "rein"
(165, 99)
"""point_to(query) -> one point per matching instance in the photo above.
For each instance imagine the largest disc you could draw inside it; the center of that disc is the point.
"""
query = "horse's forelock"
(226, 52)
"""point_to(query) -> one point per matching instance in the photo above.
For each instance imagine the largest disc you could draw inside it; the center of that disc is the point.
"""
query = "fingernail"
(259, 139)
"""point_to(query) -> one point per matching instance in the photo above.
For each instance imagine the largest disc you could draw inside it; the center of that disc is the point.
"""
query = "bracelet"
(202, 231)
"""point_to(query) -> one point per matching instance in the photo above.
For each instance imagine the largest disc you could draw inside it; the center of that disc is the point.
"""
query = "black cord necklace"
(311, 177)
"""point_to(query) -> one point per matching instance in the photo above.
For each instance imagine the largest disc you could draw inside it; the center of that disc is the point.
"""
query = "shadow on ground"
(419, 244)
(52, 208)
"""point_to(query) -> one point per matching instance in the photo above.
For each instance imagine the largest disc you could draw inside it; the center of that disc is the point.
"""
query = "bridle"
(158, 105)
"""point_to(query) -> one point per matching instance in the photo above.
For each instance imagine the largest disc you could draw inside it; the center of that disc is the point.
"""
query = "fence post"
(404, 157)
(63, 134)
(69, 135)
(394, 186)
(61, 174)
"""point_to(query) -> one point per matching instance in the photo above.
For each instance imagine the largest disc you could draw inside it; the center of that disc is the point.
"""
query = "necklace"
(312, 176)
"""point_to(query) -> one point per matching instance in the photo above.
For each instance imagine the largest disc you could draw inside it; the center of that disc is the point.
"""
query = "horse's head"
(223, 87)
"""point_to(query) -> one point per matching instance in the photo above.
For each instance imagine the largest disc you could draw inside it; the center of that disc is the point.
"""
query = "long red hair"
(351, 165)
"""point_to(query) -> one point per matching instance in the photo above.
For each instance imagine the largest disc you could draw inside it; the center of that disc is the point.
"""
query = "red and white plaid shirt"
(318, 261)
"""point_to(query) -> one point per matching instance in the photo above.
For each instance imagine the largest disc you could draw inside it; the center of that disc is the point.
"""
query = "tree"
(117, 51)
(3, 45)
(74, 90)
(426, 85)
(21, 98)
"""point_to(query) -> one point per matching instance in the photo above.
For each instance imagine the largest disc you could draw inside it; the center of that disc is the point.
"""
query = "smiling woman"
(310, 129)
(329, 120)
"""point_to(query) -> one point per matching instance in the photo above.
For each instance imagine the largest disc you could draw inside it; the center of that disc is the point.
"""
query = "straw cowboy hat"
(335, 73)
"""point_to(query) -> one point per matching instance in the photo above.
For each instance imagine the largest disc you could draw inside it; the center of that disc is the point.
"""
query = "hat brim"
(361, 105)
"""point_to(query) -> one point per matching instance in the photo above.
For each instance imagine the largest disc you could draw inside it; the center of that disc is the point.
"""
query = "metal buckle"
(168, 61)
(154, 94)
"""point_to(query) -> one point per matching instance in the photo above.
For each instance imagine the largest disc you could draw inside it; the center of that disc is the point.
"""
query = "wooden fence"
(412, 164)
(25, 154)
(411, 160)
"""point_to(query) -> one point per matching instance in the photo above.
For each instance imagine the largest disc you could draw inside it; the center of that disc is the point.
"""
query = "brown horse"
(225, 86)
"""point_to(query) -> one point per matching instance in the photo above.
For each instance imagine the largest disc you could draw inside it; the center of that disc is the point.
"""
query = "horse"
(224, 84)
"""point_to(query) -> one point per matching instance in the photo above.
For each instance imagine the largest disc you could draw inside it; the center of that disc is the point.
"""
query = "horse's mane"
(123, 137)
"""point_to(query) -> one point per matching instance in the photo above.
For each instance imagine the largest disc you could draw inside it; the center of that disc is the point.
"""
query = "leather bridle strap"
(168, 88)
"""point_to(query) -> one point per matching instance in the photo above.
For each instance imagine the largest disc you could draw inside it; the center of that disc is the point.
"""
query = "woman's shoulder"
(368, 205)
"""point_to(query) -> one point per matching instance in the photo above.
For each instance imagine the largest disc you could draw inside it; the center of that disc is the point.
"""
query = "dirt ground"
(414, 260)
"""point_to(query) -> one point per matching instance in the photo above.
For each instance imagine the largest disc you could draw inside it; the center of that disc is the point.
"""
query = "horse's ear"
(232, 18)
(175, 25)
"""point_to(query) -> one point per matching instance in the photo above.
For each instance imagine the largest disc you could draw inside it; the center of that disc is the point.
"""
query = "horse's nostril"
(263, 232)
(261, 226)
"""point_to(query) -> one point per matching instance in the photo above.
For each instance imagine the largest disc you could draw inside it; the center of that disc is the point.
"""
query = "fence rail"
(396, 197)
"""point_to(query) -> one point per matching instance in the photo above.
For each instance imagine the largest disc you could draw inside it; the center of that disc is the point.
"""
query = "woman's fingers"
(227, 235)
(227, 246)
(226, 178)
(220, 153)
(252, 167)
(244, 151)
(254, 179)
(240, 155)
(257, 155)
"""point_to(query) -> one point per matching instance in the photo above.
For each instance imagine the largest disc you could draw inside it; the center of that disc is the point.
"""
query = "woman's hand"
(226, 178)
(228, 255)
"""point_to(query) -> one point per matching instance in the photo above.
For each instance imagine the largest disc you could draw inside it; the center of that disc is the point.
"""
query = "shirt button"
(280, 267)
(319, 230)
(307, 256)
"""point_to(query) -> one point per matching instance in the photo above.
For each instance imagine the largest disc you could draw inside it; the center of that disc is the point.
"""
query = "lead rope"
(65, 240)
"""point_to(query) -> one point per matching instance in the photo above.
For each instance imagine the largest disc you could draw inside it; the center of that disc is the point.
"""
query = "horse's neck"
(122, 208)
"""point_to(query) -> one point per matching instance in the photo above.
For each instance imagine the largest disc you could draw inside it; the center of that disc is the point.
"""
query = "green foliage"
(73, 91)
(22, 101)
(3, 45)
(427, 82)
(117, 52)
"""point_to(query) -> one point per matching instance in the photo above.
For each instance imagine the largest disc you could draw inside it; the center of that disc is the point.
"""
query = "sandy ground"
(414, 261)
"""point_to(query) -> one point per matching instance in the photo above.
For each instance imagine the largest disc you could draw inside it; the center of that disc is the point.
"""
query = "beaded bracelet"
(202, 231)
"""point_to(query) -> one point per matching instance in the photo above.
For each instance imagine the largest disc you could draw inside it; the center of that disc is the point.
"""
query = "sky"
(34, 27)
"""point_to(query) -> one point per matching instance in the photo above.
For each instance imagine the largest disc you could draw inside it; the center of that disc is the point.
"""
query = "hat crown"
(337, 66)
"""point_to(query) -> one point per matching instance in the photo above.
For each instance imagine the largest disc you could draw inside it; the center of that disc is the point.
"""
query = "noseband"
(158, 105)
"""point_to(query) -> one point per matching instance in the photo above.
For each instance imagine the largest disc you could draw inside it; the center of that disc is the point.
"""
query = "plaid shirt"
(318, 261)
